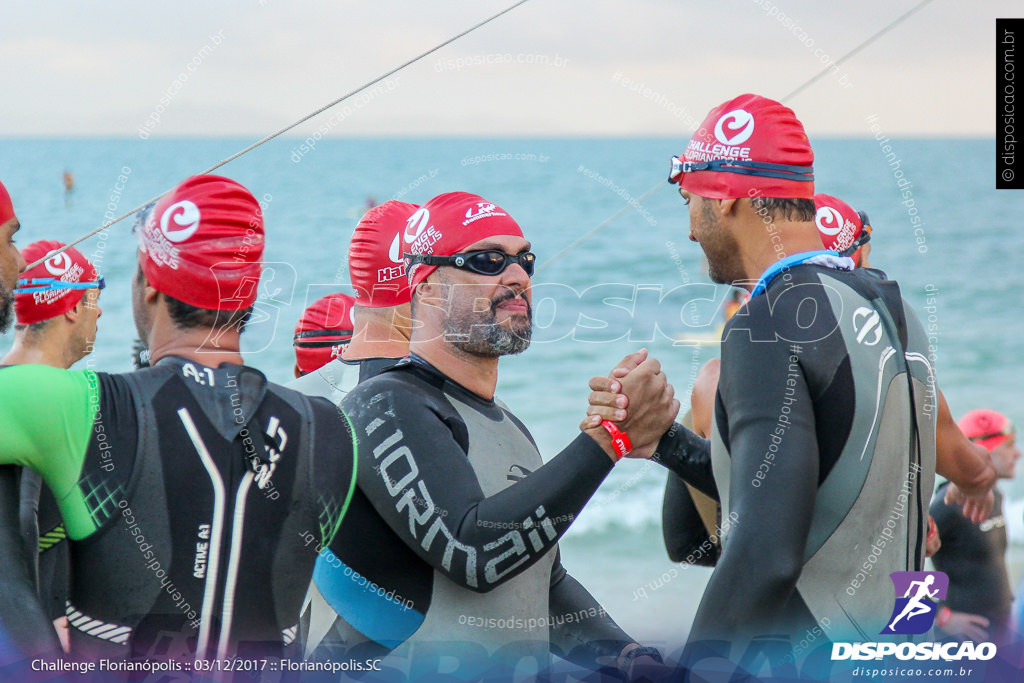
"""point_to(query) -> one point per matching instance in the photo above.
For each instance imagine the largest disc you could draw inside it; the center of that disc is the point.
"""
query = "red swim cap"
(69, 267)
(203, 244)
(837, 222)
(375, 256)
(749, 146)
(323, 330)
(6, 206)
(986, 427)
(449, 223)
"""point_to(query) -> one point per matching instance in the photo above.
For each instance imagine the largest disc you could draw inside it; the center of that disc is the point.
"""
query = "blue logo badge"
(916, 595)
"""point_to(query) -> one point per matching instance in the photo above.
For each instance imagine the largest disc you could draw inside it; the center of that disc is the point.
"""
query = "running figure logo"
(916, 595)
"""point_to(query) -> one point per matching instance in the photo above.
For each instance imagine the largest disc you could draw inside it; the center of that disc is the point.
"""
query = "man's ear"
(149, 294)
(72, 315)
(727, 207)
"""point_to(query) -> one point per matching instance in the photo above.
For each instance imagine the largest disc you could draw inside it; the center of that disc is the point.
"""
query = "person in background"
(57, 310)
(322, 333)
(191, 490)
(973, 555)
(843, 230)
(22, 618)
(69, 187)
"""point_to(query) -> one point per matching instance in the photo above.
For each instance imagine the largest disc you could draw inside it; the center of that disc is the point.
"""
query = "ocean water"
(638, 282)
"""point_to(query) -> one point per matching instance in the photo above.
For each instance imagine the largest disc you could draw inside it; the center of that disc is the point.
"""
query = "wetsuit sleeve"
(419, 480)
(689, 457)
(771, 494)
(948, 520)
(336, 465)
(46, 417)
(682, 528)
(580, 630)
(22, 619)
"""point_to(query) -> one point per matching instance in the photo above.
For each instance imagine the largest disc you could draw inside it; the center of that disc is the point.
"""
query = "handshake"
(637, 398)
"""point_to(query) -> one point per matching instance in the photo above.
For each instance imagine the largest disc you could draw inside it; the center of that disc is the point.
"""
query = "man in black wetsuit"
(973, 555)
(821, 442)
(380, 336)
(22, 618)
(968, 465)
(57, 309)
(461, 556)
(191, 490)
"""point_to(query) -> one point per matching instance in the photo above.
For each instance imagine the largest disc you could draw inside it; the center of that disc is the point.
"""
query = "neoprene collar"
(826, 258)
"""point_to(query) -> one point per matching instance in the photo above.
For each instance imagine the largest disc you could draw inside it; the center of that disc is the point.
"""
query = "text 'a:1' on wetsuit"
(187, 493)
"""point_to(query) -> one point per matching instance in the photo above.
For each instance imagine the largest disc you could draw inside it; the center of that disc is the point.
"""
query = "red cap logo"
(180, 221)
(58, 265)
(735, 127)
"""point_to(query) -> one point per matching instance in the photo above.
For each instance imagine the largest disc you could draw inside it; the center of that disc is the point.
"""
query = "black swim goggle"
(50, 284)
(763, 169)
(863, 238)
(484, 261)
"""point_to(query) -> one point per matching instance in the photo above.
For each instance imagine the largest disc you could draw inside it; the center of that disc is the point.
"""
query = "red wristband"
(620, 440)
(943, 617)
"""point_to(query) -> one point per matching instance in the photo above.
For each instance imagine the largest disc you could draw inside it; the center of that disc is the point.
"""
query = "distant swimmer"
(194, 492)
(468, 513)
(371, 201)
(322, 333)
(69, 187)
(57, 309)
(916, 605)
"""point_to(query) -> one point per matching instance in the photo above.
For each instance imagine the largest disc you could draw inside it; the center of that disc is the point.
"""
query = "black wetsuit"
(194, 498)
(816, 457)
(43, 530)
(452, 540)
(974, 558)
(686, 537)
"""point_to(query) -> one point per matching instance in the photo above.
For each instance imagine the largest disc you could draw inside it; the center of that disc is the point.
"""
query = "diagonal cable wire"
(287, 128)
(790, 96)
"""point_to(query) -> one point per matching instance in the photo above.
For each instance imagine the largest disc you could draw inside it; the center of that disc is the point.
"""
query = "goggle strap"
(754, 168)
(321, 333)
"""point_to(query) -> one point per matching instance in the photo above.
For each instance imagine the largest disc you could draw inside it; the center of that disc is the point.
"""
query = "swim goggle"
(763, 169)
(863, 238)
(1007, 430)
(50, 284)
(484, 261)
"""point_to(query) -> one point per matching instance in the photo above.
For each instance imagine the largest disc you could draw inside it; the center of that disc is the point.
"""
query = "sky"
(547, 68)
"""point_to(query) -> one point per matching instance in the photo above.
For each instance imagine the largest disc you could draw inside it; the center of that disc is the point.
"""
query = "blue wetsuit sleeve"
(771, 495)
(580, 629)
(419, 479)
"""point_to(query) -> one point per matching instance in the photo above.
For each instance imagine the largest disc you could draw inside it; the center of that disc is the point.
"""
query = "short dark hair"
(33, 328)
(186, 316)
(788, 209)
